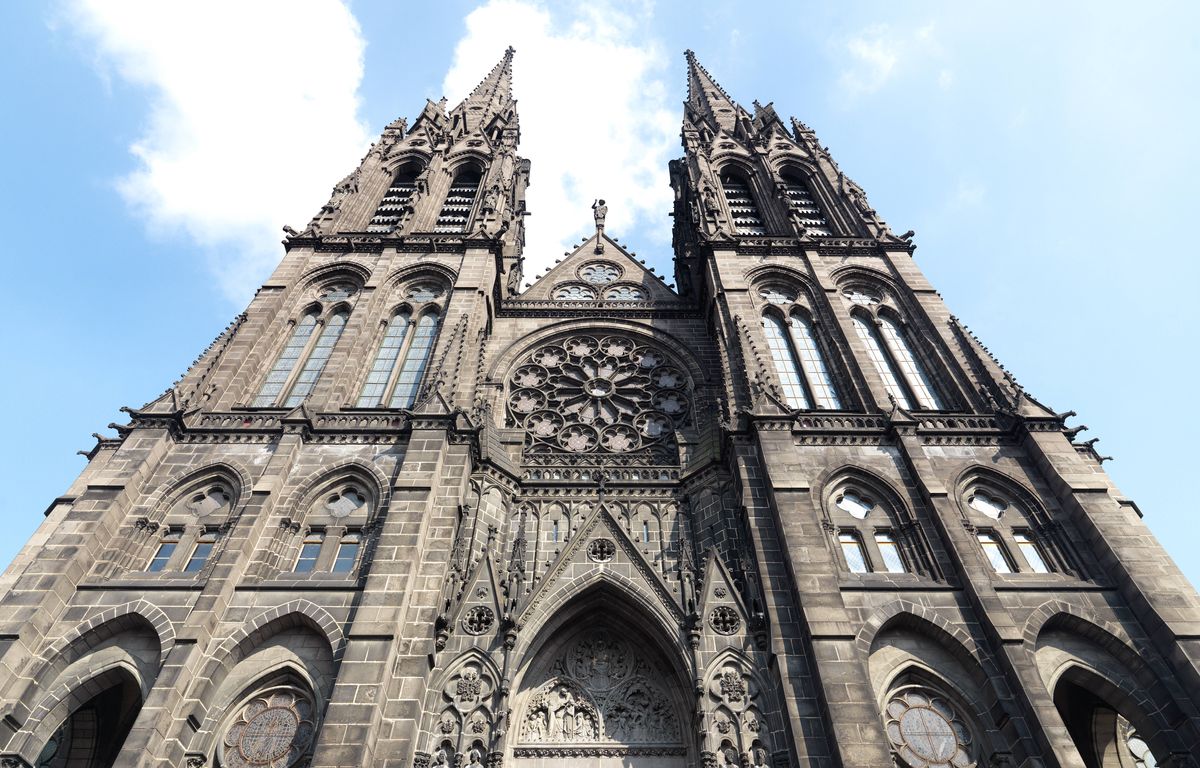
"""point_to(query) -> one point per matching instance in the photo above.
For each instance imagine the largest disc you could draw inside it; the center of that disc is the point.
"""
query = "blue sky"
(1044, 154)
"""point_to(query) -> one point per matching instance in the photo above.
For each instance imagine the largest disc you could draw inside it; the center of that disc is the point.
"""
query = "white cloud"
(247, 129)
(873, 57)
(880, 53)
(595, 118)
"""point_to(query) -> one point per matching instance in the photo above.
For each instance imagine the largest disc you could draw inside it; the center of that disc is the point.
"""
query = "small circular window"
(926, 732)
(574, 293)
(624, 293)
(599, 273)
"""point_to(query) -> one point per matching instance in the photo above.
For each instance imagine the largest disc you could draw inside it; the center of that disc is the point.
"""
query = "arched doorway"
(600, 692)
(92, 735)
(1104, 737)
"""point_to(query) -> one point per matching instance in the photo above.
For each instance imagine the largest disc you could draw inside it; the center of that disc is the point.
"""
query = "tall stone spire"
(490, 99)
(706, 99)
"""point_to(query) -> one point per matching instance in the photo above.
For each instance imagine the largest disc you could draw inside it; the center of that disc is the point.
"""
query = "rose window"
(624, 293)
(274, 729)
(574, 293)
(599, 273)
(926, 732)
(598, 393)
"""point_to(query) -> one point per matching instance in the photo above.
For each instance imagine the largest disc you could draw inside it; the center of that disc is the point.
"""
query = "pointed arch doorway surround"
(599, 688)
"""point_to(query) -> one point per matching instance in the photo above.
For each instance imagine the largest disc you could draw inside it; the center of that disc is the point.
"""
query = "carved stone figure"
(599, 211)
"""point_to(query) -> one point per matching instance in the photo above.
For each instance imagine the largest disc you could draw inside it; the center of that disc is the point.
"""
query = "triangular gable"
(632, 273)
(575, 569)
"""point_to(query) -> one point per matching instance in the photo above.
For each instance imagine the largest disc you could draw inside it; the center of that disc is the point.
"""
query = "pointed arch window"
(786, 364)
(914, 373)
(416, 359)
(816, 374)
(317, 359)
(456, 210)
(801, 202)
(798, 361)
(903, 376)
(282, 370)
(391, 209)
(746, 218)
(385, 360)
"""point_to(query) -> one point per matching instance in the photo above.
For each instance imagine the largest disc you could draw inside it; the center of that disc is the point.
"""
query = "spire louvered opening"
(746, 218)
(457, 209)
(801, 200)
(391, 210)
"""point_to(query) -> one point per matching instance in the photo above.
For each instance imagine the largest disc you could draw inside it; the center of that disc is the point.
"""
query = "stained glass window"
(282, 369)
(785, 363)
(883, 364)
(599, 273)
(815, 372)
(415, 361)
(317, 358)
(916, 376)
(385, 361)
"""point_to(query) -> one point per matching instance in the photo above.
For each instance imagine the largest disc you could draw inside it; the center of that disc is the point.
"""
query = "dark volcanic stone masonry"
(787, 513)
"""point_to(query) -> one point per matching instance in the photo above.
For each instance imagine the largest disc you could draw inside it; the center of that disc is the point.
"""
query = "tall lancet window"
(281, 372)
(883, 364)
(802, 373)
(786, 364)
(456, 211)
(816, 374)
(385, 360)
(746, 218)
(416, 359)
(902, 373)
(317, 358)
(804, 205)
(914, 373)
(391, 209)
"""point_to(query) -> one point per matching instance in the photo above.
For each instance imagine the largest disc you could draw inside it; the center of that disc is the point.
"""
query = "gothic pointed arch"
(741, 713)
(600, 682)
(461, 708)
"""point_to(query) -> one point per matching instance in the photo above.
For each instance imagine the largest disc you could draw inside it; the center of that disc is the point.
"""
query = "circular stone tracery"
(274, 729)
(926, 732)
(590, 393)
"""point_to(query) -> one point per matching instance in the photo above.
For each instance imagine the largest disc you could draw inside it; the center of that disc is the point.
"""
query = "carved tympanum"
(601, 693)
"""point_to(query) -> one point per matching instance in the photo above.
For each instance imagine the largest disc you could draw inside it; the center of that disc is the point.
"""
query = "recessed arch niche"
(598, 688)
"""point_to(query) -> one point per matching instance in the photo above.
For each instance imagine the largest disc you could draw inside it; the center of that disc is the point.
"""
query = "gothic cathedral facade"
(789, 513)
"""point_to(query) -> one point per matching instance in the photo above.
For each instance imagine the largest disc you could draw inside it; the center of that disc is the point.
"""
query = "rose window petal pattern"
(926, 732)
(274, 729)
(594, 393)
(599, 273)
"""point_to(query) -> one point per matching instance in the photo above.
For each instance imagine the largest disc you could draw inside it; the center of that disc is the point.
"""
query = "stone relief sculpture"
(600, 692)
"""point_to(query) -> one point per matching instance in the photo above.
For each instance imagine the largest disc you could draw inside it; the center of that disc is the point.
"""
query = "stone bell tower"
(401, 514)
